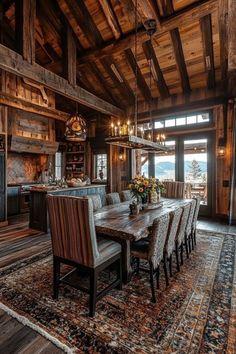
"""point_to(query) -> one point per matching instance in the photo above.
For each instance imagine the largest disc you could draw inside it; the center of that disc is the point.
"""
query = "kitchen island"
(38, 203)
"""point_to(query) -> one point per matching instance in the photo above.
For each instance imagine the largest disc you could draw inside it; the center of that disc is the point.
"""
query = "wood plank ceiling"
(184, 53)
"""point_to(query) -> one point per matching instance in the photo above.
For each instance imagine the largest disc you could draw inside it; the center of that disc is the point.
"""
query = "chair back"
(158, 239)
(190, 217)
(182, 225)
(172, 231)
(72, 229)
(97, 202)
(113, 198)
(174, 189)
(125, 195)
(196, 212)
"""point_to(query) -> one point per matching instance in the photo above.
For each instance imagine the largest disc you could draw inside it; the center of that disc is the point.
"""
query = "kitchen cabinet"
(13, 200)
(75, 160)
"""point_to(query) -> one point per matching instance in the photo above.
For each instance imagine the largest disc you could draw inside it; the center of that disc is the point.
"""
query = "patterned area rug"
(195, 314)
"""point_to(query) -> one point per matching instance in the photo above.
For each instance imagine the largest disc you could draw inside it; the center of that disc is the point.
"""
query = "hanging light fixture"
(76, 127)
(125, 134)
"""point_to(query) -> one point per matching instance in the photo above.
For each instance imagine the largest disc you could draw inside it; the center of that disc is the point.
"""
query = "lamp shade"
(76, 128)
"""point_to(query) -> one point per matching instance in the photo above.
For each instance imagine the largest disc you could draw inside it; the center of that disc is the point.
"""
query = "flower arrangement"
(141, 186)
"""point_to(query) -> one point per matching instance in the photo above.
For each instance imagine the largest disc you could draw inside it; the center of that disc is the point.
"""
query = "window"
(58, 165)
(180, 121)
(101, 166)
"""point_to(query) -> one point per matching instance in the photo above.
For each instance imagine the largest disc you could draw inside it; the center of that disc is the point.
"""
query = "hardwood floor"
(17, 242)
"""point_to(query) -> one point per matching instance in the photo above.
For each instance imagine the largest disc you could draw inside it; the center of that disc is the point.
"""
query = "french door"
(190, 159)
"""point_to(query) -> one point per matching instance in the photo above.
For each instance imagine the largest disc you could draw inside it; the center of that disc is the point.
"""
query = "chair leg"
(119, 273)
(170, 265)
(195, 236)
(189, 244)
(182, 254)
(186, 246)
(93, 292)
(138, 265)
(165, 270)
(177, 256)
(152, 283)
(158, 277)
(56, 277)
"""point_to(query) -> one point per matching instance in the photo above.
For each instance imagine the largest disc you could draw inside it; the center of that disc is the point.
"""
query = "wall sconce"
(121, 155)
(221, 147)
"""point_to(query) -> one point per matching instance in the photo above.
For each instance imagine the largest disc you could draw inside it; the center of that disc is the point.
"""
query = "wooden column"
(232, 48)
(70, 56)
(25, 28)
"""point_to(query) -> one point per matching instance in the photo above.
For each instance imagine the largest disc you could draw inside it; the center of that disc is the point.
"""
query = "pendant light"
(126, 135)
(76, 127)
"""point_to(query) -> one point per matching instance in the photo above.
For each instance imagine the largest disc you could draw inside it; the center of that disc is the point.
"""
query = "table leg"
(126, 266)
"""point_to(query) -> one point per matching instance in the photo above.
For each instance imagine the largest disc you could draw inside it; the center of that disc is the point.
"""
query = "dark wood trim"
(223, 33)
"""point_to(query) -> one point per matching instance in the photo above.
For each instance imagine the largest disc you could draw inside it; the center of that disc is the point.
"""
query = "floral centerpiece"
(139, 188)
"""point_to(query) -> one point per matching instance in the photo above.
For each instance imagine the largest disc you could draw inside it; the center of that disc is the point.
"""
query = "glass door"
(197, 171)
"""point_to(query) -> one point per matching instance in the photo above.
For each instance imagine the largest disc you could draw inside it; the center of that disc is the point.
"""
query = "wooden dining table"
(115, 222)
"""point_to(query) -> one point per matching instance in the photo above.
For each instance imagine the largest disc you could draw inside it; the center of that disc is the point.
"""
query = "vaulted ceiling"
(186, 53)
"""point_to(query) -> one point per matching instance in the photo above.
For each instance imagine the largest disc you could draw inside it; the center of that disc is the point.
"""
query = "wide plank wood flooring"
(17, 242)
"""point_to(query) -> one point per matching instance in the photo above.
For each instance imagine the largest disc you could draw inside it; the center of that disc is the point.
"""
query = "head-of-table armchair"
(74, 243)
(152, 249)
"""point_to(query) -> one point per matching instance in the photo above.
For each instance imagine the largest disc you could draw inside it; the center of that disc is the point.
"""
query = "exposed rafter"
(206, 28)
(223, 33)
(155, 68)
(180, 61)
(111, 18)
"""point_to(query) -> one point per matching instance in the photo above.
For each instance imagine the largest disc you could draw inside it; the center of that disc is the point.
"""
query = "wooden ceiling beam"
(179, 103)
(13, 62)
(103, 83)
(111, 18)
(142, 85)
(186, 17)
(146, 10)
(167, 7)
(155, 68)
(27, 106)
(223, 33)
(180, 61)
(70, 57)
(207, 41)
(118, 78)
(25, 28)
(85, 21)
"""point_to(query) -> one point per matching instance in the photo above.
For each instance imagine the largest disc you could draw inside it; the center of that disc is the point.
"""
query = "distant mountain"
(162, 167)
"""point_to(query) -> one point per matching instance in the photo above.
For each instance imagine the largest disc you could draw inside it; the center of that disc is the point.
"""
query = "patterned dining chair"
(74, 243)
(194, 222)
(113, 198)
(169, 247)
(152, 250)
(174, 189)
(125, 195)
(180, 236)
(188, 231)
(97, 202)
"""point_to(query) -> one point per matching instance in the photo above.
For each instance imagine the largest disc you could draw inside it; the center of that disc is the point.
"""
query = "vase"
(134, 209)
(154, 197)
(144, 202)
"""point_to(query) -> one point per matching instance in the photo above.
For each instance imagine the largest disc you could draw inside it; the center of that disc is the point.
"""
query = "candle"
(115, 130)
(142, 132)
(112, 129)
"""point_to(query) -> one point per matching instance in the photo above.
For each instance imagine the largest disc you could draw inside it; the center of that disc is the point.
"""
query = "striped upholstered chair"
(174, 189)
(74, 243)
(113, 198)
(179, 240)
(169, 247)
(125, 195)
(151, 249)
(194, 222)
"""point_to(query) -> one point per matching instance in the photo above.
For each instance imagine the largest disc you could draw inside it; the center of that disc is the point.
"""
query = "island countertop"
(38, 201)
(52, 189)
